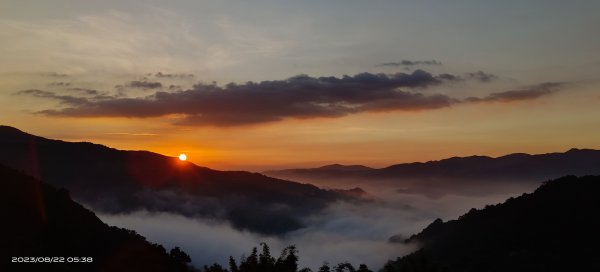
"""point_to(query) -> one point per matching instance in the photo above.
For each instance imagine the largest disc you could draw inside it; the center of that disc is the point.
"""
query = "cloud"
(299, 97)
(344, 233)
(174, 87)
(85, 91)
(165, 75)
(64, 99)
(410, 63)
(144, 84)
(131, 134)
(60, 84)
(257, 102)
(527, 93)
(482, 76)
(105, 41)
(450, 77)
(54, 74)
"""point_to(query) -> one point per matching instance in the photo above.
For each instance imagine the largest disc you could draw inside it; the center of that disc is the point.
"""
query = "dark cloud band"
(144, 84)
(299, 97)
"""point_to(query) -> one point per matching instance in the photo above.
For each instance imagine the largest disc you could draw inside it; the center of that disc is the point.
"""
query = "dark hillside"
(553, 229)
(41, 221)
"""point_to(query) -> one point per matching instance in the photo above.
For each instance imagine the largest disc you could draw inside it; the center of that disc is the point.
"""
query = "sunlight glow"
(182, 157)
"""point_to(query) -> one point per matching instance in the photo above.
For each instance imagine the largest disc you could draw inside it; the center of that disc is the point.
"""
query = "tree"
(325, 267)
(179, 260)
(232, 265)
(266, 263)
(250, 264)
(288, 261)
(178, 255)
(363, 268)
(345, 267)
(214, 268)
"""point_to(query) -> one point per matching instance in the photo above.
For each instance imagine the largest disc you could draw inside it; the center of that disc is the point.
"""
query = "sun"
(182, 157)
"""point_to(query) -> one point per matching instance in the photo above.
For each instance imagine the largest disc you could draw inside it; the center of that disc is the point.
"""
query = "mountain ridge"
(460, 175)
(114, 181)
(337, 166)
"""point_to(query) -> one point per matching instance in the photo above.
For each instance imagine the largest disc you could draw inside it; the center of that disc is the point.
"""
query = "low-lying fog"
(354, 232)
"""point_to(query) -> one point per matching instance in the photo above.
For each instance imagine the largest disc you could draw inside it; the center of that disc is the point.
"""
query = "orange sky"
(487, 91)
(551, 124)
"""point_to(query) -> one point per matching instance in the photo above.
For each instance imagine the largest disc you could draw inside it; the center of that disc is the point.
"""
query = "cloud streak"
(167, 75)
(144, 84)
(410, 63)
(64, 99)
(299, 97)
(131, 134)
(527, 93)
(85, 91)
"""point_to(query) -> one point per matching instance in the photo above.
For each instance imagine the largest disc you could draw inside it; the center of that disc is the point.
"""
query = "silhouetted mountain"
(339, 167)
(553, 229)
(114, 181)
(323, 173)
(41, 221)
(513, 166)
(461, 175)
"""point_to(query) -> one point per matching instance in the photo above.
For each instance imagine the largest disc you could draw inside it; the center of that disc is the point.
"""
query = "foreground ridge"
(554, 228)
(40, 221)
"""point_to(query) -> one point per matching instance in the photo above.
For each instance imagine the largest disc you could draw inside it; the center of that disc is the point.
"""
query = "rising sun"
(182, 157)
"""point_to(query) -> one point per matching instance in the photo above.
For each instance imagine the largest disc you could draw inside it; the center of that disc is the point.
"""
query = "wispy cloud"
(167, 75)
(527, 93)
(64, 99)
(114, 42)
(54, 74)
(60, 84)
(85, 91)
(482, 76)
(131, 134)
(410, 63)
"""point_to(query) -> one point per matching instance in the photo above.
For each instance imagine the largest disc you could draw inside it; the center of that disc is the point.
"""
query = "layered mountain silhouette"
(553, 229)
(458, 174)
(115, 181)
(39, 221)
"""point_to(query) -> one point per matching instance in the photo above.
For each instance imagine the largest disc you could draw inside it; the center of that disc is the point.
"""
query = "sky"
(259, 85)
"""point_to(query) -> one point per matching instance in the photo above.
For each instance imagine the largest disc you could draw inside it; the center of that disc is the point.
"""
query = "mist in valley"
(367, 231)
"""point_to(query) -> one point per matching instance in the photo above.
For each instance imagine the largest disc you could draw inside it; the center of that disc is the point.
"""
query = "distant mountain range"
(114, 181)
(41, 224)
(553, 229)
(459, 174)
